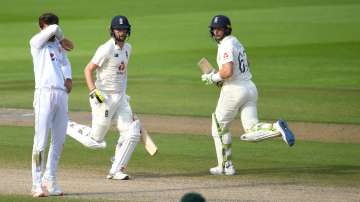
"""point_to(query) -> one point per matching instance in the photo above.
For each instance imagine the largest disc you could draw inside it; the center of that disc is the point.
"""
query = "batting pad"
(259, 135)
(81, 134)
(126, 146)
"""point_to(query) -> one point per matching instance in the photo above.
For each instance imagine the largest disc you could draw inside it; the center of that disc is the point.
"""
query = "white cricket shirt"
(51, 64)
(112, 61)
(231, 50)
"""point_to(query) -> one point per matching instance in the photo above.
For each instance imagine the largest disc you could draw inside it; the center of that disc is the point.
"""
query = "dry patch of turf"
(86, 184)
(346, 133)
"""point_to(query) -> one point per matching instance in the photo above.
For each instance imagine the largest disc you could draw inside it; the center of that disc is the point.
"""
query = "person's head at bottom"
(192, 197)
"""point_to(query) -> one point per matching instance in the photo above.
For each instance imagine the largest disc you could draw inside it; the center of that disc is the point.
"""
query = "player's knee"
(135, 128)
(260, 126)
(130, 132)
(133, 131)
(226, 138)
(218, 128)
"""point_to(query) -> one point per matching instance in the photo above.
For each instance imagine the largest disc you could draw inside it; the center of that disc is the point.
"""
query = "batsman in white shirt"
(53, 82)
(238, 95)
(108, 99)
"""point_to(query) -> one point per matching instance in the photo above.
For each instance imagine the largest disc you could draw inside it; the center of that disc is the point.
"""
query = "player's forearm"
(89, 76)
(66, 70)
(226, 71)
(41, 38)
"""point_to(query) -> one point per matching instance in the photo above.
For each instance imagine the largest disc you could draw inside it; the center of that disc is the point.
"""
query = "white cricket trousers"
(234, 98)
(51, 112)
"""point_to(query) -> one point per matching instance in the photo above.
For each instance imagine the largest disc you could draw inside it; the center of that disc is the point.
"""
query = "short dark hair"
(192, 197)
(48, 19)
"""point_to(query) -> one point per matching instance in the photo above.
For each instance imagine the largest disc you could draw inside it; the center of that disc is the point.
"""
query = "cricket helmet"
(220, 21)
(120, 22)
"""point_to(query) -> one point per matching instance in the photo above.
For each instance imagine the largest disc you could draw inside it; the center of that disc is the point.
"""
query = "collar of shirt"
(224, 39)
(117, 46)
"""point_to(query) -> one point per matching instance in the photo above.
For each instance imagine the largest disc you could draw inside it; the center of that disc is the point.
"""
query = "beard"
(120, 38)
(218, 38)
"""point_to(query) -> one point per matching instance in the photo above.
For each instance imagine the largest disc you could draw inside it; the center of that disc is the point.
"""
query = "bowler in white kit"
(53, 82)
(238, 95)
(109, 101)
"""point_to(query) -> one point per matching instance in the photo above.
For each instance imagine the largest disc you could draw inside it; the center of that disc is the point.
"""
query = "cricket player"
(53, 82)
(108, 99)
(238, 94)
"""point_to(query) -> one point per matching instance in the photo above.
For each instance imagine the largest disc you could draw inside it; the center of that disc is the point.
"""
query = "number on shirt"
(243, 66)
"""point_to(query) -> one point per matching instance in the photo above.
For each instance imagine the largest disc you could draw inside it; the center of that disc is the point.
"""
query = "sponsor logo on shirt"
(226, 56)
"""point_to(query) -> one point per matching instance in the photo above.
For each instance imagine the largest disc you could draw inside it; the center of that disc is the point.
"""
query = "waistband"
(50, 89)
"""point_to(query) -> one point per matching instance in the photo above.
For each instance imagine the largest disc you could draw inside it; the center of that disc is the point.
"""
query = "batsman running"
(108, 99)
(238, 94)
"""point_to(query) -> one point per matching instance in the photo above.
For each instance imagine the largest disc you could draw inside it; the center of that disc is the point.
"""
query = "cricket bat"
(149, 144)
(205, 66)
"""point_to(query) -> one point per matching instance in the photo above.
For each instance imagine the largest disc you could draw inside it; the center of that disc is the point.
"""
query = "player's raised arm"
(46, 33)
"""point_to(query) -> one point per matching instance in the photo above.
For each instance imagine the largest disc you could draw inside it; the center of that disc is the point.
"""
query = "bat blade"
(149, 144)
(205, 66)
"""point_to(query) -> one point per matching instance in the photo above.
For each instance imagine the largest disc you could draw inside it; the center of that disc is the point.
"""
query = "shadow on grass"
(185, 188)
(320, 170)
(336, 170)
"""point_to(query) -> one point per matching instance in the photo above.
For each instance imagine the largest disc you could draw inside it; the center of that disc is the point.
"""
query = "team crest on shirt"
(226, 56)
(52, 56)
(116, 55)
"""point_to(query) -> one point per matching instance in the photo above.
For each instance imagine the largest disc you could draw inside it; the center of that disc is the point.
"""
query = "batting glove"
(211, 78)
(97, 95)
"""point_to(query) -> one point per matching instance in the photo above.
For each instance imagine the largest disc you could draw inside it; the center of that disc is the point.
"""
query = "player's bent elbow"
(226, 73)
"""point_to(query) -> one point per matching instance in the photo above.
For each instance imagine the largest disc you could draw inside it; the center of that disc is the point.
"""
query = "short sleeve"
(226, 53)
(100, 56)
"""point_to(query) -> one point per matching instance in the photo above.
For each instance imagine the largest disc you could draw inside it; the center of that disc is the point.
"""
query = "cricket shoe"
(118, 176)
(228, 169)
(52, 188)
(286, 134)
(38, 192)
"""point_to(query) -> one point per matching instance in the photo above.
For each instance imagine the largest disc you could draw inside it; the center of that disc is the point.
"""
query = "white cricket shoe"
(38, 192)
(118, 176)
(218, 170)
(229, 169)
(52, 188)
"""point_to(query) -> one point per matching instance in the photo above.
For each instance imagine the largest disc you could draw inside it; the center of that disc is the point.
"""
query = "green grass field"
(304, 55)
(332, 164)
(304, 59)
